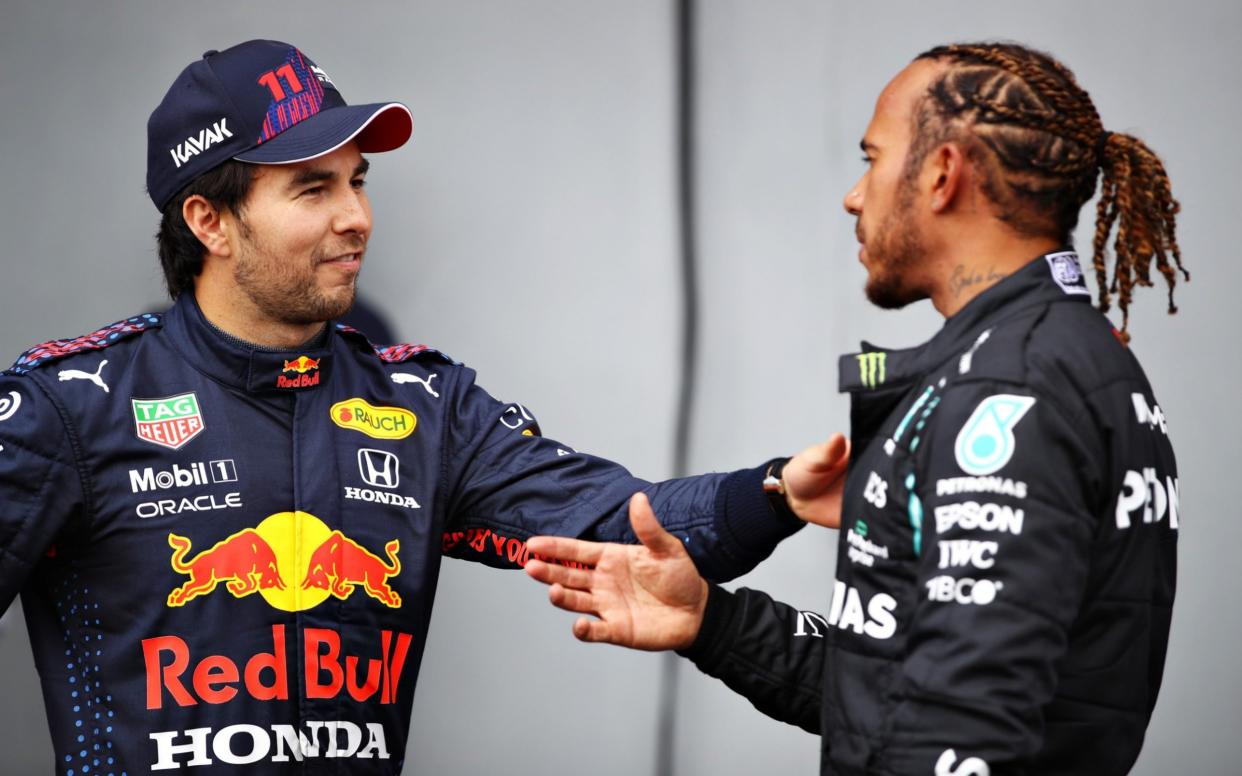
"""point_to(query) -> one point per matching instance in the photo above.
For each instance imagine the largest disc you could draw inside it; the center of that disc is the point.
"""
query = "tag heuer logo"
(169, 422)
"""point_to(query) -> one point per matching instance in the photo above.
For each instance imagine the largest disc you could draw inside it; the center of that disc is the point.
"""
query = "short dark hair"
(181, 252)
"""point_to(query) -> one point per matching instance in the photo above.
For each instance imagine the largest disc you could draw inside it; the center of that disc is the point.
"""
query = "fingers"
(553, 574)
(648, 529)
(559, 548)
(571, 600)
(586, 629)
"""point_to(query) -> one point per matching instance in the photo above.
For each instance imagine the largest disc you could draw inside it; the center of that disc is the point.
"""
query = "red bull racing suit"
(227, 556)
(1006, 565)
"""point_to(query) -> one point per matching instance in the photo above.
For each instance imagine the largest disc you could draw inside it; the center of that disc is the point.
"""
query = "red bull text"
(300, 366)
(174, 676)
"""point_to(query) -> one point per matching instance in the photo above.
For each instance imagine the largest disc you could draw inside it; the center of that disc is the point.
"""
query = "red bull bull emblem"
(301, 367)
(287, 547)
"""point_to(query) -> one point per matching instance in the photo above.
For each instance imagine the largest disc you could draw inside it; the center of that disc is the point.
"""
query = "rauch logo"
(376, 422)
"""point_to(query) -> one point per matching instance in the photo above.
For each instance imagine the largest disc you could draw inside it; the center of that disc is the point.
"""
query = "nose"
(853, 201)
(354, 214)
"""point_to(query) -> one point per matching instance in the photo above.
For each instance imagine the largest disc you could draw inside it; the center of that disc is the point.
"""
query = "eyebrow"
(320, 174)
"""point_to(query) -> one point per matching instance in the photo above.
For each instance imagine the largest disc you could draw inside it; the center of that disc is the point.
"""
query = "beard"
(286, 292)
(894, 252)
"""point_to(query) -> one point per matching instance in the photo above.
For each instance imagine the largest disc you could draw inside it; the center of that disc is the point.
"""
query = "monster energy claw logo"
(871, 368)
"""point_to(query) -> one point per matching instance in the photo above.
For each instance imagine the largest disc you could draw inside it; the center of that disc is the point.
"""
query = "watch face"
(774, 483)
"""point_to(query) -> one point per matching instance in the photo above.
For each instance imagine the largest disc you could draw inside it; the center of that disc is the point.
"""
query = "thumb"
(826, 455)
(838, 452)
(648, 529)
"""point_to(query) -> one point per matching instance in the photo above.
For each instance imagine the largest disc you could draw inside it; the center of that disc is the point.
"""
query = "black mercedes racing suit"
(1005, 573)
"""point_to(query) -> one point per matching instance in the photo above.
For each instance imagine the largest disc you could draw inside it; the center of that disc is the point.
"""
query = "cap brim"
(375, 128)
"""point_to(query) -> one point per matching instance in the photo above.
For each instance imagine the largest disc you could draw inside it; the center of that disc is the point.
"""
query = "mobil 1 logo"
(198, 473)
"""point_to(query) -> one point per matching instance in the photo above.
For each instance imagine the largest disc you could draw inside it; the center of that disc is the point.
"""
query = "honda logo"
(378, 468)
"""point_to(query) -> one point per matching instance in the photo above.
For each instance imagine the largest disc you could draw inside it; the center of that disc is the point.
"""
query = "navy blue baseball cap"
(261, 101)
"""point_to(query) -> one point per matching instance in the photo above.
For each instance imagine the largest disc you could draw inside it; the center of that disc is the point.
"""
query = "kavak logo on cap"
(263, 102)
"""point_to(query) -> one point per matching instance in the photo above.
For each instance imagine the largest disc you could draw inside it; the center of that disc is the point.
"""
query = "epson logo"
(971, 515)
(196, 144)
(198, 473)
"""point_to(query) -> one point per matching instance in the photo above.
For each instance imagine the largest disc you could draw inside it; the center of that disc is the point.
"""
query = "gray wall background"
(529, 230)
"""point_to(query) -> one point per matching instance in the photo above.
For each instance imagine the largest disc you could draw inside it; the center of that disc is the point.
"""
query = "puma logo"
(406, 377)
(77, 374)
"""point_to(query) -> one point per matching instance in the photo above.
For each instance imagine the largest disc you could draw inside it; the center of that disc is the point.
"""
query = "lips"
(345, 261)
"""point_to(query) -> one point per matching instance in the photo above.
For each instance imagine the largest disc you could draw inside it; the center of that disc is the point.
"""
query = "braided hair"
(1039, 143)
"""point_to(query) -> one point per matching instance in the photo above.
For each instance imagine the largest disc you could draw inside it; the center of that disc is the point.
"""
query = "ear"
(947, 168)
(207, 224)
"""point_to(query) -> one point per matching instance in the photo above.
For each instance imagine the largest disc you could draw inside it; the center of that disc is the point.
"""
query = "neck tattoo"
(964, 279)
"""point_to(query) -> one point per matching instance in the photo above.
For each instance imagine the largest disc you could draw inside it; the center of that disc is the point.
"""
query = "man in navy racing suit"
(226, 522)
(1006, 569)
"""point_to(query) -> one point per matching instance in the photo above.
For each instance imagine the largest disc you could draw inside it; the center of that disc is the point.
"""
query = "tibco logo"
(197, 473)
(965, 591)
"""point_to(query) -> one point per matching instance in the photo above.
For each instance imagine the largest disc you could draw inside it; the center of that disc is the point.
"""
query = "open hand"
(647, 596)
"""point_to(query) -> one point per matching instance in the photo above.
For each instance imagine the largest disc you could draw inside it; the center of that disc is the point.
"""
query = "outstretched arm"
(504, 482)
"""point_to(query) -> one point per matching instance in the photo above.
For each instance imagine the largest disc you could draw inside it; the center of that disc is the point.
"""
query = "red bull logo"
(341, 564)
(293, 546)
(300, 366)
(244, 562)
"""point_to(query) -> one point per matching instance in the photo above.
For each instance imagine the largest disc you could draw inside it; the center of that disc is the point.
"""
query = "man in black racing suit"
(1006, 569)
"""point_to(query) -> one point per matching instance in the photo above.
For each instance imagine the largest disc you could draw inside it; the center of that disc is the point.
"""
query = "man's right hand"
(648, 596)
